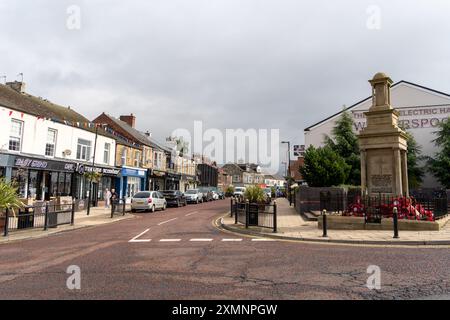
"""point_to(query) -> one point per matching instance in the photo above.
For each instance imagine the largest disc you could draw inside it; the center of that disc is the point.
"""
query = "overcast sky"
(282, 64)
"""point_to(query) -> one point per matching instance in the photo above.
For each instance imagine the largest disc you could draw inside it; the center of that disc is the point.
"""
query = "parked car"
(174, 198)
(193, 196)
(268, 193)
(215, 195)
(148, 200)
(239, 191)
(221, 194)
(207, 194)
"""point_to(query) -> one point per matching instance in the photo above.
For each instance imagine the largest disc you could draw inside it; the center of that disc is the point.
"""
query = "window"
(15, 137)
(51, 142)
(106, 152)
(137, 157)
(84, 150)
(124, 157)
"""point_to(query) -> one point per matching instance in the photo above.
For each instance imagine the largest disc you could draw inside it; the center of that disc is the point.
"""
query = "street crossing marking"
(201, 240)
(169, 240)
(136, 239)
(161, 223)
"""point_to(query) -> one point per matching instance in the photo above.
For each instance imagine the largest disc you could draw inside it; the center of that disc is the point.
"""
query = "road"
(180, 254)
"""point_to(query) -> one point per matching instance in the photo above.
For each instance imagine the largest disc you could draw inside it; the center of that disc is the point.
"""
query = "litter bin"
(253, 215)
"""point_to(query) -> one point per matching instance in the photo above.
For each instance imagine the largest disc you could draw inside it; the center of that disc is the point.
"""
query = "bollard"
(324, 223)
(231, 207)
(247, 213)
(6, 223)
(124, 206)
(113, 204)
(46, 217)
(274, 216)
(395, 218)
(236, 214)
(72, 217)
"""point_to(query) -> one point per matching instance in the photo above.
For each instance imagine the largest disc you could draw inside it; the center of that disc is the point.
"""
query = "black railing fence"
(44, 215)
(254, 214)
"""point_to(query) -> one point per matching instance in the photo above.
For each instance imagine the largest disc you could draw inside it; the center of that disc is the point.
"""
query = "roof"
(36, 106)
(370, 97)
(137, 135)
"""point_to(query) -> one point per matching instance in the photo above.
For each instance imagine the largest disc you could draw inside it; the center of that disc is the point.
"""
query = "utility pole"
(93, 170)
(289, 169)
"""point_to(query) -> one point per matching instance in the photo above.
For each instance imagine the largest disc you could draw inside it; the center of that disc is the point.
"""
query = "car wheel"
(178, 203)
(164, 207)
(197, 201)
(133, 210)
(153, 209)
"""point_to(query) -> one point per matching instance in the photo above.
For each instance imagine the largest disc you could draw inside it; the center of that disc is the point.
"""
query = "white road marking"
(189, 214)
(161, 223)
(136, 239)
(203, 240)
(169, 240)
(231, 240)
(262, 239)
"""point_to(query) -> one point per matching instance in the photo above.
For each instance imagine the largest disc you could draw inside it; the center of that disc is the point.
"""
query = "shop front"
(39, 178)
(107, 180)
(157, 179)
(188, 182)
(130, 181)
(172, 181)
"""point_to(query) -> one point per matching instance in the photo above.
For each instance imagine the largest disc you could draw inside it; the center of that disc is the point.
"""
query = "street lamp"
(93, 170)
(289, 169)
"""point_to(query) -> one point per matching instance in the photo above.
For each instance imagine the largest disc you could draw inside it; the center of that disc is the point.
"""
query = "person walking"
(107, 197)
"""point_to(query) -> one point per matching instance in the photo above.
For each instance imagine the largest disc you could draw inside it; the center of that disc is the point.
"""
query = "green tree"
(440, 164)
(345, 143)
(9, 198)
(414, 156)
(323, 167)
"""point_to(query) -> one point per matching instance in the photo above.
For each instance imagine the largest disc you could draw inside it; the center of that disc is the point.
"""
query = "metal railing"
(48, 215)
(254, 214)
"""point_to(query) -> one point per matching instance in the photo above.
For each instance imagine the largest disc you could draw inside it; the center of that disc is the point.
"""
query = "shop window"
(83, 150)
(15, 137)
(51, 143)
(137, 157)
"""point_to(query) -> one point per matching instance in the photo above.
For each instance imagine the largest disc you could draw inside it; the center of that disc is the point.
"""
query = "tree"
(9, 198)
(414, 156)
(440, 164)
(323, 167)
(345, 143)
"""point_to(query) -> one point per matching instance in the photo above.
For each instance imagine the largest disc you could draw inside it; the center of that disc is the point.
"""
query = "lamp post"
(93, 170)
(289, 169)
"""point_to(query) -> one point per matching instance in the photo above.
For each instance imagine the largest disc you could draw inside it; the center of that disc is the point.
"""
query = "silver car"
(148, 201)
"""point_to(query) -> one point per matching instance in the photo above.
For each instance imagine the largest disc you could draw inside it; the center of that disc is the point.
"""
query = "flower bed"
(408, 208)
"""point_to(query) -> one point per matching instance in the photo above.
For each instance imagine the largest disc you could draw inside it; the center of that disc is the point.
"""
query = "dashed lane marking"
(201, 240)
(169, 240)
(190, 214)
(136, 239)
(263, 239)
(161, 223)
(231, 240)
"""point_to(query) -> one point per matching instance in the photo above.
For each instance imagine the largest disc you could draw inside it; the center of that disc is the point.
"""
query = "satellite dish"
(67, 152)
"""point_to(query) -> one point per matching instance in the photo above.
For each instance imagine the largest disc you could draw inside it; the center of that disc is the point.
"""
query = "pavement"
(97, 216)
(181, 254)
(291, 226)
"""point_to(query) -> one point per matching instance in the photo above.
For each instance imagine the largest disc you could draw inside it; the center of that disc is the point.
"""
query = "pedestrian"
(107, 196)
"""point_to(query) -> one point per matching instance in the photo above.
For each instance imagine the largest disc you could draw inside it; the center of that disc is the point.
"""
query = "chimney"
(148, 134)
(17, 86)
(131, 120)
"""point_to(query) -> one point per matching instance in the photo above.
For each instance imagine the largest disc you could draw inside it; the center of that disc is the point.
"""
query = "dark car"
(207, 194)
(221, 194)
(174, 198)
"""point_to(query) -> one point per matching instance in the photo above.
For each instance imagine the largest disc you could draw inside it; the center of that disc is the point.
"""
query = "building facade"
(46, 147)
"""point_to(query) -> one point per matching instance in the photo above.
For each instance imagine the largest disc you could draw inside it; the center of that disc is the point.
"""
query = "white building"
(421, 110)
(47, 148)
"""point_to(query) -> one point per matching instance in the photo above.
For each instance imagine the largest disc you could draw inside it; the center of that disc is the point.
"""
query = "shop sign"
(102, 170)
(41, 164)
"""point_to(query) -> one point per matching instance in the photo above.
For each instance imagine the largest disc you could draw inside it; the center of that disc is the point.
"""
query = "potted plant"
(9, 199)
